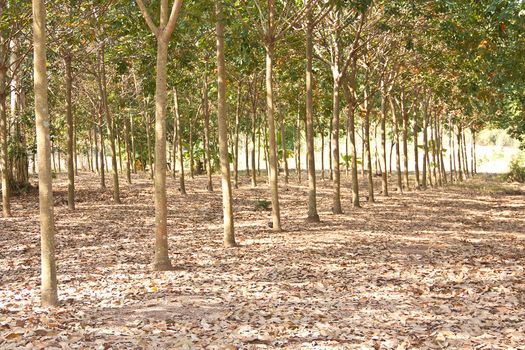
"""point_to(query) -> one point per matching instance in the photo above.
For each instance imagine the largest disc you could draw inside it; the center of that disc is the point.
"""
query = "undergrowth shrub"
(516, 173)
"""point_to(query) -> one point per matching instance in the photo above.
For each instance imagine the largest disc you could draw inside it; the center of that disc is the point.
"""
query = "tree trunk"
(4, 156)
(322, 155)
(254, 129)
(133, 148)
(405, 141)
(236, 138)
(49, 296)
(313, 216)
(298, 148)
(425, 144)
(335, 171)
(101, 150)
(284, 152)
(384, 173)
(182, 183)
(415, 135)
(207, 152)
(274, 169)
(366, 136)
(465, 156)
(229, 236)
(148, 144)
(192, 161)
(351, 137)
(70, 134)
(395, 121)
(460, 165)
(109, 125)
(127, 136)
(161, 260)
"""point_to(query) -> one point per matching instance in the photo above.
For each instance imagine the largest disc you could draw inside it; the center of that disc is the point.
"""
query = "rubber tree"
(229, 235)
(163, 34)
(49, 295)
(4, 157)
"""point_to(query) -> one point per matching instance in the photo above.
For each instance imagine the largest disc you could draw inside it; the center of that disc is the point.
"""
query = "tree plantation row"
(83, 78)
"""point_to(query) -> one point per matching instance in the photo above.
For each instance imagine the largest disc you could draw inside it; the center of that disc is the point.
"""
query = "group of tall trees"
(371, 77)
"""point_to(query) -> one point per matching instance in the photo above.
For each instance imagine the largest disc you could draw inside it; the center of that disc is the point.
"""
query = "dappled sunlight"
(439, 263)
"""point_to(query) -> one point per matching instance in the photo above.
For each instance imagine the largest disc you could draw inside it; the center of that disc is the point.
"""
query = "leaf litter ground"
(441, 268)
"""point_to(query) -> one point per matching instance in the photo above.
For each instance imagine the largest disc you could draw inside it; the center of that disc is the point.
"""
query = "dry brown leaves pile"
(442, 268)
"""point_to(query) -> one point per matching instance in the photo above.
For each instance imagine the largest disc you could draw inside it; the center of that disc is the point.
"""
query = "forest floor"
(441, 268)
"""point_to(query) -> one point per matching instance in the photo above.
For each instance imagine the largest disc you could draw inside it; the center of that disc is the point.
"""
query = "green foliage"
(262, 205)
(517, 171)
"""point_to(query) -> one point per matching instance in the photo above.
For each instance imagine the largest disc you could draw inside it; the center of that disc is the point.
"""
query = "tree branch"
(147, 17)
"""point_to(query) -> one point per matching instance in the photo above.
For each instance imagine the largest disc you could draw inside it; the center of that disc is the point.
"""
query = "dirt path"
(443, 268)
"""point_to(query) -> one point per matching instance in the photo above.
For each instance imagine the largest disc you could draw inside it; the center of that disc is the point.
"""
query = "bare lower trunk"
(335, 171)
(49, 296)
(161, 260)
(274, 169)
(207, 152)
(236, 137)
(182, 183)
(111, 130)
(4, 156)
(284, 152)
(70, 134)
(229, 236)
(384, 174)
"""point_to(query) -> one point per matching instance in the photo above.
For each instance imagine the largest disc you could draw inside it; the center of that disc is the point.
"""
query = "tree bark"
(4, 156)
(109, 125)
(273, 166)
(384, 174)
(206, 112)
(70, 134)
(335, 171)
(236, 137)
(182, 183)
(254, 129)
(49, 295)
(229, 235)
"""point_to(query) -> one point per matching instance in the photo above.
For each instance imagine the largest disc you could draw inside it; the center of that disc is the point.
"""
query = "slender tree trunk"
(473, 150)
(395, 121)
(192, 162)
(460, 157)
(425, 144)
(335, 171)
(298, 148)
(206, 111)
(313, 216)
(405, 141)
(101, 150)
(229, 236)
(4, 156)
(236, 138)
(254, 130)
(351, 137)
(70, 134)
(384, 173)
(322, 156)
(284, 152)
(415, 135)
(148, 144)
(371, 198)
(161, 261)
(465, 156)
(133, 148)
(247, 154)
(49, 295)
(182, 183)
(274, 169)
(109, 125)
(127, 140)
